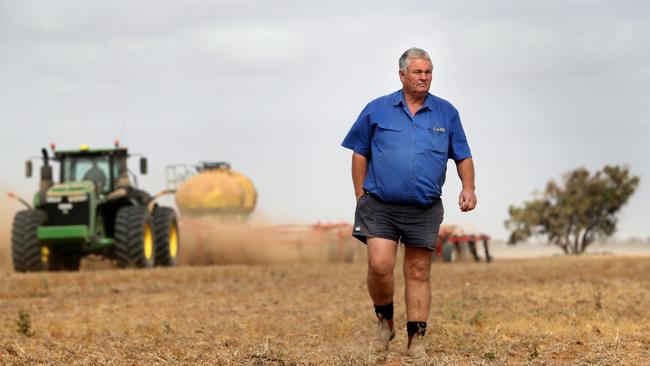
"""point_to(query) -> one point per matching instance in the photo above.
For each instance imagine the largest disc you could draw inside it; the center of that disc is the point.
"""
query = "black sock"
(384, 311)
(418, 328)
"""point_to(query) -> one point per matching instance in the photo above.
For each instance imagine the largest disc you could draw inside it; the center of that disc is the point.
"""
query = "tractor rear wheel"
(463, 254)
(27, 253)
(166, 238)
(134, 244)
(449, 252)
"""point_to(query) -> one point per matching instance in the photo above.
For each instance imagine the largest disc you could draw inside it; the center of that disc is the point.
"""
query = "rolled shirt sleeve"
(359, 137)
(458, 146)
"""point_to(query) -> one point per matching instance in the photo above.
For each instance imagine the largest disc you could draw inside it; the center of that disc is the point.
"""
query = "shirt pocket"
(439, 139)
(388, 135)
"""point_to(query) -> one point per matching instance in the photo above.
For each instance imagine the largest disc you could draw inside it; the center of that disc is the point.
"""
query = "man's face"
(416, 79)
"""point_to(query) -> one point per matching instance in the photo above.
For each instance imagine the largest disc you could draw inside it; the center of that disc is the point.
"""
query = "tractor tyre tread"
(163, 220)
(130, 225)
(448, 252)
(25, 246)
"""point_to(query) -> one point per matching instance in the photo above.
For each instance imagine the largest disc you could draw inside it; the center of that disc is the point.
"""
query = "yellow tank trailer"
(216, 190)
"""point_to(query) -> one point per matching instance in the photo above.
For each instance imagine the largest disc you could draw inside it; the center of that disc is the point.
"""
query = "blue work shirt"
(407, 155)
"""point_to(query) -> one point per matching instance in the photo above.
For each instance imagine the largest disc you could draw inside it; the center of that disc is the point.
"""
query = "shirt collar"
(399, 99)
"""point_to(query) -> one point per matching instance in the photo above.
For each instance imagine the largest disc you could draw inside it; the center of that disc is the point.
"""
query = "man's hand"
(467, 200)
(359, 169)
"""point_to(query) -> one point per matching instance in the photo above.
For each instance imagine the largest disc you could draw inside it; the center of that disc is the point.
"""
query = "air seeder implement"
(95, 208)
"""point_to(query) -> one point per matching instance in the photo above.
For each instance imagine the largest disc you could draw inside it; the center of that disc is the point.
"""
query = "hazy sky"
(273, 87)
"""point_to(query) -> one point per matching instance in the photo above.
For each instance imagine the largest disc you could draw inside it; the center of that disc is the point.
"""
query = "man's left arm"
(467, 198)
(460, 152)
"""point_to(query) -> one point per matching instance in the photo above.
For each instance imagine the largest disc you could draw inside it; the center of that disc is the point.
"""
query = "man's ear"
(401, 76)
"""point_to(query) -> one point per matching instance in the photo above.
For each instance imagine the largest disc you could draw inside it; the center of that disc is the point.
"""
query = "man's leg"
(382, 255)
(417, 269)
(381, 286)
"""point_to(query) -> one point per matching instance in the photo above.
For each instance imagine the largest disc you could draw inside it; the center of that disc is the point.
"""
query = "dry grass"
(555, 311)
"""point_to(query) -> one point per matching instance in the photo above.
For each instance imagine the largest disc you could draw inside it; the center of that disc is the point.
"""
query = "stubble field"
(552, 311)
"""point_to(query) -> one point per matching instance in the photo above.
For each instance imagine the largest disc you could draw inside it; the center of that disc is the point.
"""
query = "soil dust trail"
(5, 244)
(208, 241)
(8, 208)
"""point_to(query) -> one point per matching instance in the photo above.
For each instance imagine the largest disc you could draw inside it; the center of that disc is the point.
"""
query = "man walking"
(401, 143)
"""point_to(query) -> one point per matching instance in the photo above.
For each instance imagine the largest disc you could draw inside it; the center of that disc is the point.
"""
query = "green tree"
(575, 214)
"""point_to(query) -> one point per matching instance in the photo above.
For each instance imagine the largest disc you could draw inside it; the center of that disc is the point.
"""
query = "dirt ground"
(555, 311)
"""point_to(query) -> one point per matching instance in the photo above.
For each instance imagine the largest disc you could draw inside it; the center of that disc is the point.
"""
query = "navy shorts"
(415, 226)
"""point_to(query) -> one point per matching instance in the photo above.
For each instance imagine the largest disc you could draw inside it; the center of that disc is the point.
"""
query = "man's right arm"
(359, 170)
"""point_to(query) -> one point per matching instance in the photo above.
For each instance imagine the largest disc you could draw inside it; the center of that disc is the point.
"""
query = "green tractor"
(96, 208)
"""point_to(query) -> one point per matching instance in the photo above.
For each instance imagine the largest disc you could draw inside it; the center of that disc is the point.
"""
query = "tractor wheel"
(463, 254)
(166, 238)
(134, 245)
(449, 252)
(62, 261)
(350, 249)
(27, 253)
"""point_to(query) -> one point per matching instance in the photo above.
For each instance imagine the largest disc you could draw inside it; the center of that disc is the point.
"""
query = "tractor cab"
(96, 169)
(105, 168)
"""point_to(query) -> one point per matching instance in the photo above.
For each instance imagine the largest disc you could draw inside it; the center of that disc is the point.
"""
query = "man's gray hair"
(412, 52)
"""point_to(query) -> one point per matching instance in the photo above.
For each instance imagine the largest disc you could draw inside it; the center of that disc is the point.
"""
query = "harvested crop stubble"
(554, 311)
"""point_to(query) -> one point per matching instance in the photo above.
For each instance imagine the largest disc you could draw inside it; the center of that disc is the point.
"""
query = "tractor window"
(116, 168)
(94, 169)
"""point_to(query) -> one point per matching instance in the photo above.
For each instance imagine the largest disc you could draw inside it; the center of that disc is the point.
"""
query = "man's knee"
(417, 271)
(381, 267)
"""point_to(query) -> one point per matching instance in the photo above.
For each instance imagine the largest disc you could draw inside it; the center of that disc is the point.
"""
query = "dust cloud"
(207, 241)
(8, 209)
(5, 237)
